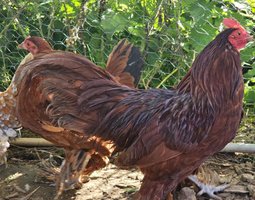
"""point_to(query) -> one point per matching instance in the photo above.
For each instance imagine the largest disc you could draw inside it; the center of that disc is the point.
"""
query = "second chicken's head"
(35, 45)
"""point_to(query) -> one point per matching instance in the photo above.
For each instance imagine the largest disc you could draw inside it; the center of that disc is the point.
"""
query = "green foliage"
(169, 33)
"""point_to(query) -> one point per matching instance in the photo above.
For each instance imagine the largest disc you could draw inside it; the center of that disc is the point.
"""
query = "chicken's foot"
(70, 175)
(208, 189)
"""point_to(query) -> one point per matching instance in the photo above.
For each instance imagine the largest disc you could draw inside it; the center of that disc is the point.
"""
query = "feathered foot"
(208, 189)
(71, 170)
(74, 171)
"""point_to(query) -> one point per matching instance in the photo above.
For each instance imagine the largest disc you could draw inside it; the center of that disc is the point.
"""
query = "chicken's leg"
(75, 169)
(208, 189)
(71, 170)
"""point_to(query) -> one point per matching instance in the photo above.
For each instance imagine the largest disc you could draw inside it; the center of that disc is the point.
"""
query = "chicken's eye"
(238, 33)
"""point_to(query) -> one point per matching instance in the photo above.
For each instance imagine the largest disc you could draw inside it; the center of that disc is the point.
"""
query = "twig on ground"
(30, 194)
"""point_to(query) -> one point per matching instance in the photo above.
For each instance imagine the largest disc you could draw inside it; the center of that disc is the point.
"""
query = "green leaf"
(113, 22)
(249, 94)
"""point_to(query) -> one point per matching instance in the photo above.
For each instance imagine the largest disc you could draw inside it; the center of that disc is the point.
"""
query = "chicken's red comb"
(231, 23)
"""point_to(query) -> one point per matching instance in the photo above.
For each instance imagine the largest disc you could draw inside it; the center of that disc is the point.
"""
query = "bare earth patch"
(23, 180)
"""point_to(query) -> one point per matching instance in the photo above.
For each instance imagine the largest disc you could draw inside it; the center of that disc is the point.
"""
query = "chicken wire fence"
(169, 33)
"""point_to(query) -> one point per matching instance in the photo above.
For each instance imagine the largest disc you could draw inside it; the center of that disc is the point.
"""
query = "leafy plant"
(169, 33)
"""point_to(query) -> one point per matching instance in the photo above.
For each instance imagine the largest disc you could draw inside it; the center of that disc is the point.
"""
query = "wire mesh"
(169, 33)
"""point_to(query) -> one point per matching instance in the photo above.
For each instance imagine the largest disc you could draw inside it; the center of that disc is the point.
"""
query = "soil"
(23, 178)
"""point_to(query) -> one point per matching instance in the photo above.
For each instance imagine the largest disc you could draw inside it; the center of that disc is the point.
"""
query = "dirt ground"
(22, 179)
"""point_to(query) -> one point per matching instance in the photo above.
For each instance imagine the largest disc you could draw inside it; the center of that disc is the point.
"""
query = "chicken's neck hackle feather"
(215, 73)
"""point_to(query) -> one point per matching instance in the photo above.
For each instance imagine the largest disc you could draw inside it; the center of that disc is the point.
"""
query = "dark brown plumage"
(166, 133)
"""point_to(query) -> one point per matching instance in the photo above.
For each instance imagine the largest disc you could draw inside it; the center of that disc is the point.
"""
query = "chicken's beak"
(250, 38)
(21, 46)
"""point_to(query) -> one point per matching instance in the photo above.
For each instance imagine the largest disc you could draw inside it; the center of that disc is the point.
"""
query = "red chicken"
(83, 154)
(166, 133)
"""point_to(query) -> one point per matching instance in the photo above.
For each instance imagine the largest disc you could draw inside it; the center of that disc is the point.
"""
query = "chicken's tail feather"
(125, 63)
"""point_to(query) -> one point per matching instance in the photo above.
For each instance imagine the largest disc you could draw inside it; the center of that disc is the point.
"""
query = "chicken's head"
(35, 45)
(239, 37)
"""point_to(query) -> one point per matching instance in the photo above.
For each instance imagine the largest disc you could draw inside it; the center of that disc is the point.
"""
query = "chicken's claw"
(70, 176)
(208, 189)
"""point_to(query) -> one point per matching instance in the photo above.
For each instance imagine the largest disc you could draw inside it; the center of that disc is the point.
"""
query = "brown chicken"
(8, 120)
(166, 133)
(36, 45)
(123, 66)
